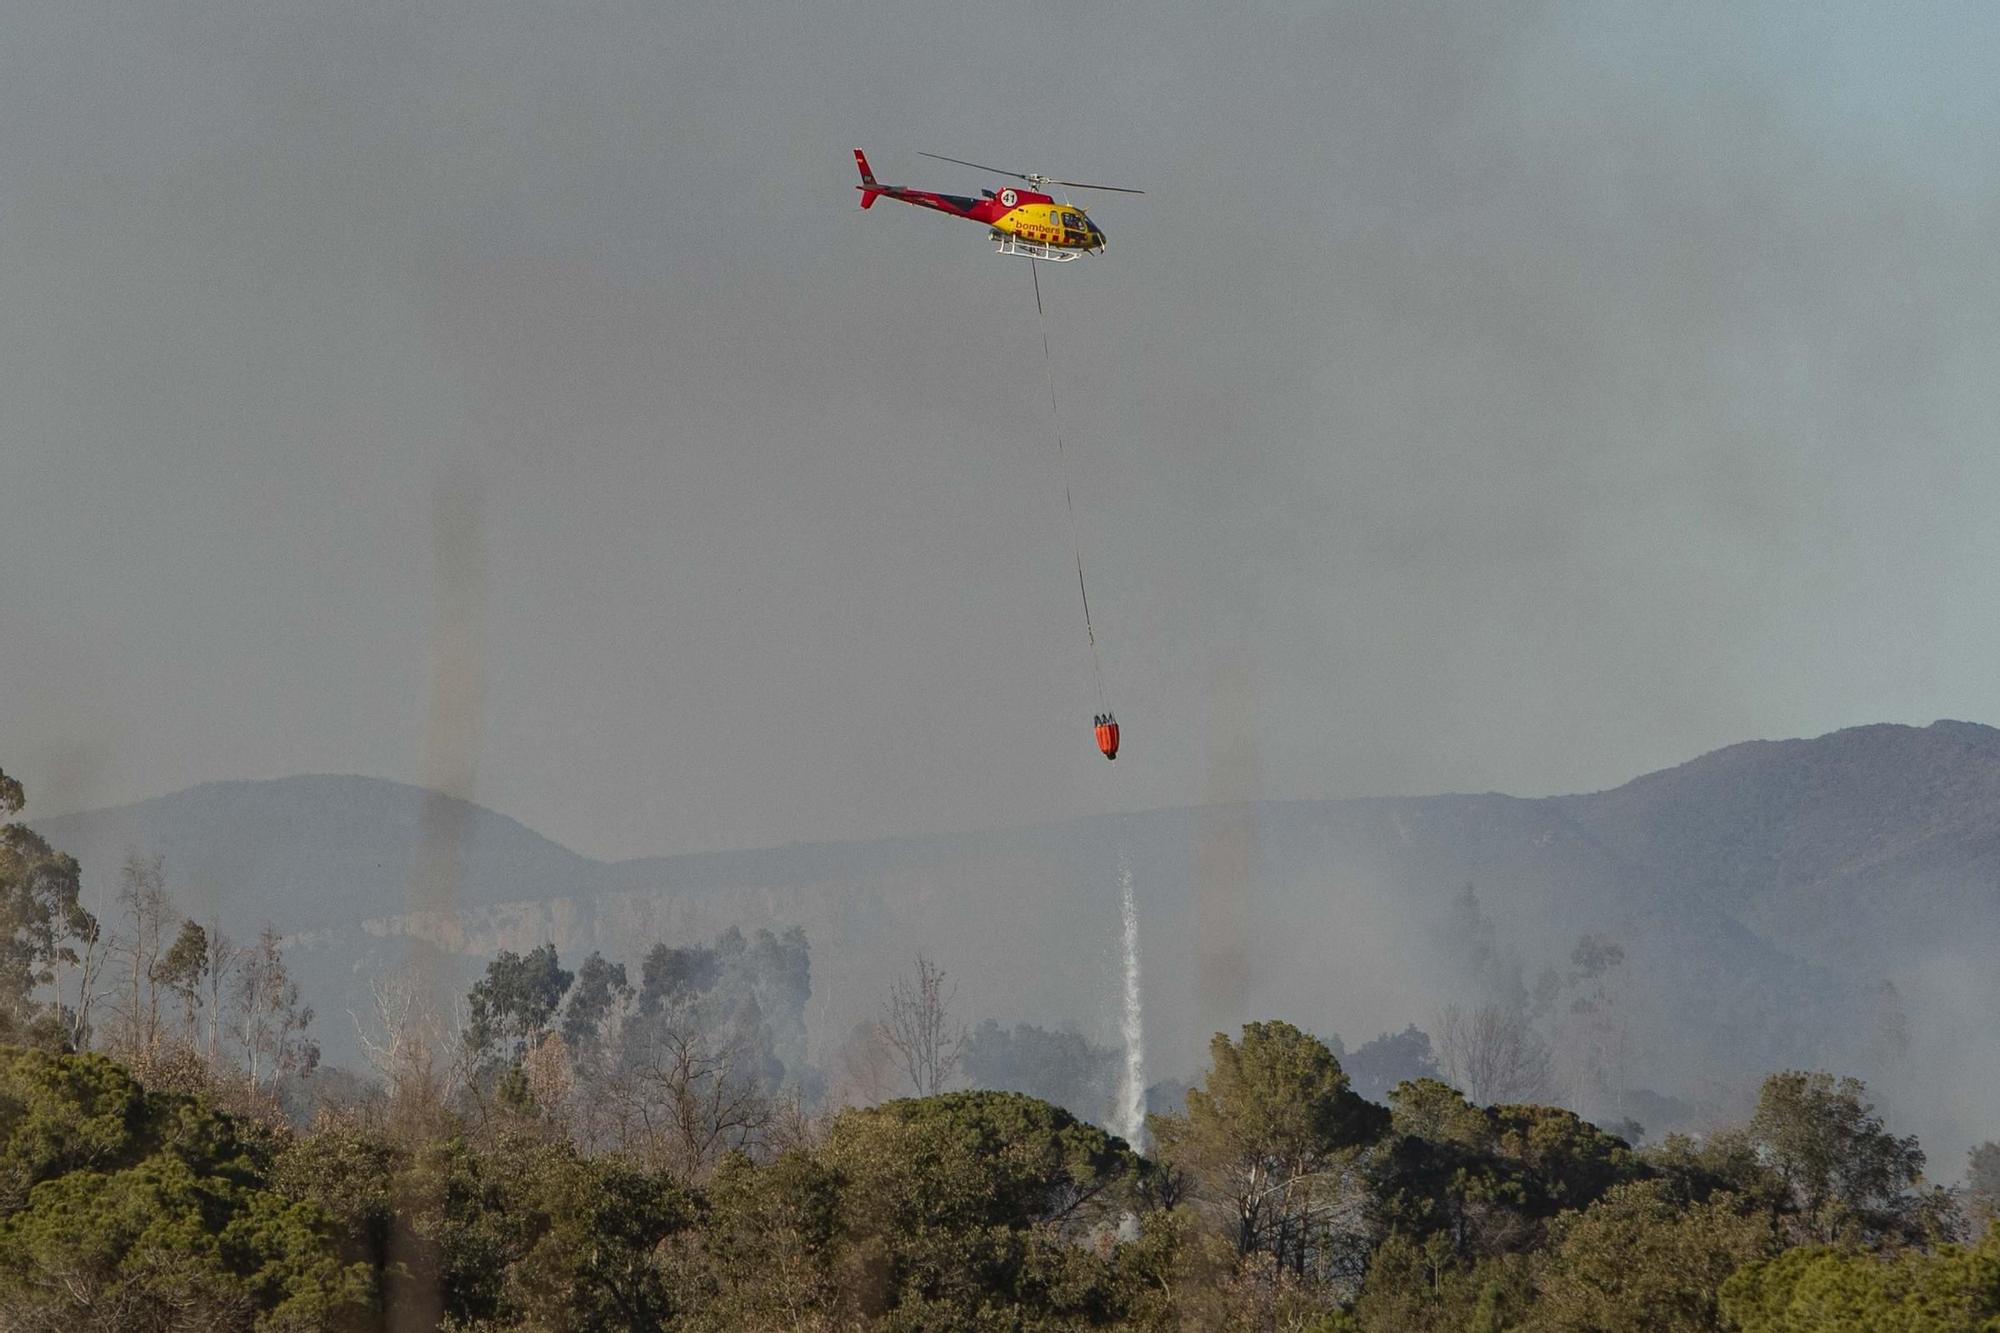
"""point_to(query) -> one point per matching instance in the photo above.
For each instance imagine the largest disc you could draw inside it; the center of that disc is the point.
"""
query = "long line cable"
(1062, 471)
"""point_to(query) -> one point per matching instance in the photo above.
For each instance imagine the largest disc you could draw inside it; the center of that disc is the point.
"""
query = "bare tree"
(419, 1054)
(594, 1045)
(685, 1098)
(549, 1076)
(271, 1023)
(90, 965)
(864, 1068)
(1492, 1055)
(219, 970)
(917, 1026)
(138, 947)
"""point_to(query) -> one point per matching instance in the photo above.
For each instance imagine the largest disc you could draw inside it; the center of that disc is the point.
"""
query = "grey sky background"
(1482, 397)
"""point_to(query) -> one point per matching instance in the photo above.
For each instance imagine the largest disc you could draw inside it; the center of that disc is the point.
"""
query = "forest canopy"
(645, 1144)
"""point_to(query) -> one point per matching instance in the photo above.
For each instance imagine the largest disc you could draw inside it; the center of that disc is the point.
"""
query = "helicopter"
(1023, 222)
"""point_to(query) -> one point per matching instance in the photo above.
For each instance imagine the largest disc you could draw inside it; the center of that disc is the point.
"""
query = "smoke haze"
(1528, 398)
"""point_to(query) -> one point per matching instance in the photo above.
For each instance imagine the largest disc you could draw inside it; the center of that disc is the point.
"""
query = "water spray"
(1132, 1092)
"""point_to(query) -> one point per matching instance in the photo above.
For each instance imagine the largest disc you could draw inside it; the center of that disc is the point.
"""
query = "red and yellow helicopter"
(1023, 222)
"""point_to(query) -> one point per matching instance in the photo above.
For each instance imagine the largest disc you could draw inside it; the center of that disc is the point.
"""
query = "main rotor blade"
(963, 163)
(1019, 176)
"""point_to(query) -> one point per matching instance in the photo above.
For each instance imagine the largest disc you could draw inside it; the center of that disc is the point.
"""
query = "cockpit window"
(1072, 221)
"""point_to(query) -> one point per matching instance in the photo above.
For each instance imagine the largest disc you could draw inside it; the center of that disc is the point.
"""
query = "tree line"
(604, 1147)
(176, 999)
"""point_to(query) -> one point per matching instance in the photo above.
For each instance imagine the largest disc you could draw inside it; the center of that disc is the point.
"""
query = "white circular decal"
(1009, 198)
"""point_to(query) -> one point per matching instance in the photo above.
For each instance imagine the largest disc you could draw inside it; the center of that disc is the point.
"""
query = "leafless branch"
(917, 1026)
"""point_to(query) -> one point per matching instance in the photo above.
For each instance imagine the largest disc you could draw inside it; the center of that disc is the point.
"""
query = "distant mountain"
(313, 852)
(1763, 894)
(1870, 847)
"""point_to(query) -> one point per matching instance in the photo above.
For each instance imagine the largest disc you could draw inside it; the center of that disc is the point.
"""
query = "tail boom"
(959, 206)
(870, 190)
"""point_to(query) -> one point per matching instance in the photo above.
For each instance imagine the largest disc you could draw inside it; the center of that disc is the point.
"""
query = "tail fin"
(870, 190)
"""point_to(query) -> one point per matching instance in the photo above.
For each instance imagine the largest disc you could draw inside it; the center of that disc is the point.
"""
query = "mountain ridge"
(1763, 893)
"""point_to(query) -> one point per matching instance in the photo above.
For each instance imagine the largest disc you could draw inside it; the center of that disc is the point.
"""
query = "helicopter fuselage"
(1022, 215)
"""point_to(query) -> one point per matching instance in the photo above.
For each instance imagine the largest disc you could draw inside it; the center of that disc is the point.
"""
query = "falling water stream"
(1132, 1098)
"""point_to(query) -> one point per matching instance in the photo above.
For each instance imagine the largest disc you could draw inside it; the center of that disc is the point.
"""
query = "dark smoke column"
(1224, 856)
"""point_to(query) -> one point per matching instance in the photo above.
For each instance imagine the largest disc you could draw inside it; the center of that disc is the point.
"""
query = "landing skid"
(1005, 243)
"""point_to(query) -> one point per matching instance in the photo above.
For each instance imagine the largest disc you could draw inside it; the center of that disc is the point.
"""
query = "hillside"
(311, 852)
(1763, 893)
(1867, 848)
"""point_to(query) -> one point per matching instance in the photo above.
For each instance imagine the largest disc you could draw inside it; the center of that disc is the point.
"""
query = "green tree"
(515, 1003)
(1421, 1286)
(41, 921)
(1844, 1172)
(1590, 1026)
(1002, 1158)
(1270, 1141)
(1952, 1289)
(1726, 1160)
(1394, 1057)
(960, 1208)
(1570, 1161)
(1486, 1180)
(599, 989)
(1638, 1258)
(122, 1208)
(350, 1174)
(181, 971)
(527, 1233)
(1427, 1109)
(774, 1252)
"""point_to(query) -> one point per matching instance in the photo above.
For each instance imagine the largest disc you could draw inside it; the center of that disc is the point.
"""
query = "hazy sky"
(1513, 397)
